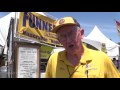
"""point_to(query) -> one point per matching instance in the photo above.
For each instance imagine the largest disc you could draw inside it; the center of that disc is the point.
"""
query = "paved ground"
(42, 75)
(3, 72)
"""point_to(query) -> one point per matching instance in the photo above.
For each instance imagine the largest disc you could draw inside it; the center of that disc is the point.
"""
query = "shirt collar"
(86, 58)
(64, 58)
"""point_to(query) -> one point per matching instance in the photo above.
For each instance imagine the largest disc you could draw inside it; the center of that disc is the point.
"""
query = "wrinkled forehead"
(67, 28)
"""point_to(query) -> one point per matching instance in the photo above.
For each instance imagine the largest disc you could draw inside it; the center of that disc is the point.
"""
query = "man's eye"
(70, 33)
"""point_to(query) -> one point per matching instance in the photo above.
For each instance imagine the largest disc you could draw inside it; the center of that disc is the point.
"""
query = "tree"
(118, 43)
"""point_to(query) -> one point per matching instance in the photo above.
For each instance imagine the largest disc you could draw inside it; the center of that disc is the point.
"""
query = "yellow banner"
(45, 52)
(38, 27)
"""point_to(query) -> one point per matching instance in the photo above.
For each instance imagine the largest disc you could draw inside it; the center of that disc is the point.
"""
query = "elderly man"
(77, 61)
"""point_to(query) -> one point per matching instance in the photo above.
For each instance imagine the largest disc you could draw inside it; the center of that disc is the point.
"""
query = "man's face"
(70, 37)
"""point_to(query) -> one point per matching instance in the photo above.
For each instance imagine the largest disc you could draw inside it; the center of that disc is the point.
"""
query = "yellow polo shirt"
(93, 64)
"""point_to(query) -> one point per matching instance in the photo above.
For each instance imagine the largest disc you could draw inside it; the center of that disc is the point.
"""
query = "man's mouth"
(71, 46)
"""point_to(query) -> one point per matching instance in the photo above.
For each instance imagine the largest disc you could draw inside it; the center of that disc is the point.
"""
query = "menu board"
(27, 62)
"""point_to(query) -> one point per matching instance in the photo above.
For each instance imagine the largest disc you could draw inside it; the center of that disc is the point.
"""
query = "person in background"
(116, 63)
(77, 61)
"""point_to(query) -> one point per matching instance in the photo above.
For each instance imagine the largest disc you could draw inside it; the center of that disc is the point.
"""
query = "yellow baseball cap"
(64, 21)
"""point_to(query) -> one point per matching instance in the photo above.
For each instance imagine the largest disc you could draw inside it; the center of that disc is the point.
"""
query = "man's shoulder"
(99, 56)
(56, 54)
(98, 52)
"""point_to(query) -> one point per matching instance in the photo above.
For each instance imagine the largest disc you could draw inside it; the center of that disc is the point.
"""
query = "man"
(77, 61)
(116, 63)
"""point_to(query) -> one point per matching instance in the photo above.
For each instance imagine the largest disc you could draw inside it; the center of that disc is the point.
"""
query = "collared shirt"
(93, 64)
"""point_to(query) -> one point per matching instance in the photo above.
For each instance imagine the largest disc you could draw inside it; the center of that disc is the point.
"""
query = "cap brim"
(56, 28)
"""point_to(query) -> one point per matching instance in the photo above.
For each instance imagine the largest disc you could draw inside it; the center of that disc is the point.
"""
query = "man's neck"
(75, 58)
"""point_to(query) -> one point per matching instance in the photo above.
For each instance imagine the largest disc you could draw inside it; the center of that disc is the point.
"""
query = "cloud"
(109, 26)
(87, 25)
(103, 27)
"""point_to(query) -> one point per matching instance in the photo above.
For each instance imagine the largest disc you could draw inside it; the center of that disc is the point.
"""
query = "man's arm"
(110, 69)
(48, 73)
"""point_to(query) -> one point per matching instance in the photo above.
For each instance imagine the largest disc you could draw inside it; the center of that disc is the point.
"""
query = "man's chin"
(72, 52)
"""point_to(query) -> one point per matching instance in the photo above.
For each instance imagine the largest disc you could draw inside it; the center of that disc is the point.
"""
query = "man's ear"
(58, 40)
(57, 37)
(82, 32)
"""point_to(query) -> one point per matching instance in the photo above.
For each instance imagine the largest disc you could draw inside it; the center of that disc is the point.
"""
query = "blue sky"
(104, 20)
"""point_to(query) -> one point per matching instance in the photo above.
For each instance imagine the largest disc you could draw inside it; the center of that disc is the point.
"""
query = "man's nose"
(68, 38)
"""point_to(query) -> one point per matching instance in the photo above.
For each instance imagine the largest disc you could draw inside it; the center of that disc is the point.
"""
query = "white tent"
(94, 43)
(4, 28)
(112, 47)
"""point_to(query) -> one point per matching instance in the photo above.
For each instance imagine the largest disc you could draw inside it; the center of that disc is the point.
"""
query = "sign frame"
(37, 64)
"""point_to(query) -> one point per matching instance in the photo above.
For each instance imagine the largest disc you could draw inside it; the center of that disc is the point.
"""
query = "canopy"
(112, 47)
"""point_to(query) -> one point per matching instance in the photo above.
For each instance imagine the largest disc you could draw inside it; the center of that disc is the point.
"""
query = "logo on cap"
(61, 21)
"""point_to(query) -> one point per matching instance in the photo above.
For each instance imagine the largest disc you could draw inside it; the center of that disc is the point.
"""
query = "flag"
(118, 26)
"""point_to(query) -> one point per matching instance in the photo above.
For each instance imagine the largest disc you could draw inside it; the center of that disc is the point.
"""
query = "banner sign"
(38, 27)
(45, 52)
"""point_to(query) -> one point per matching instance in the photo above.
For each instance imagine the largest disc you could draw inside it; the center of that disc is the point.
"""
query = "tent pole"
(15, 24)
